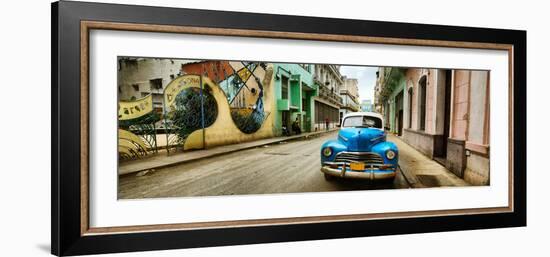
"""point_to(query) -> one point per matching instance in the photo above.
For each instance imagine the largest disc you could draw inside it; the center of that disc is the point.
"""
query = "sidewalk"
(421, 171)
(162, 160)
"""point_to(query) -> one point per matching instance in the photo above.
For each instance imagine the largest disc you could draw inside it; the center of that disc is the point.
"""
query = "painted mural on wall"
(242, 84)
(195, 108)
(182, 107)
(137, 133)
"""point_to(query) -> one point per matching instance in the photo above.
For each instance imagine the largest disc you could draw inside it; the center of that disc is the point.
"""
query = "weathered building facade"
(294, 94)
(389, 98)
(377, 103)
(328, 102)
(442, 113)
(350, 97)
(139, 77)
(469, 135)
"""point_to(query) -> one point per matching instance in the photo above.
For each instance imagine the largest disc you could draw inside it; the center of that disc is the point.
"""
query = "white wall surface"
(25, 130)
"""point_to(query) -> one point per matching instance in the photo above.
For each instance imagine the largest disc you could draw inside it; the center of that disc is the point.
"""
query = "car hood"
(361, 139)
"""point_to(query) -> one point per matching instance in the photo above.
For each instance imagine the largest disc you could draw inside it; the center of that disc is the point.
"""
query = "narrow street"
(247, 131)
(286, 167)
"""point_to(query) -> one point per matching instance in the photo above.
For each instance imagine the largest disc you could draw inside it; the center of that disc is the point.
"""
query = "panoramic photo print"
(223, 127)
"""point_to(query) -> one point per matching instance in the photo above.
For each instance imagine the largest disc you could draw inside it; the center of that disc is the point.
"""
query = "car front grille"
(366, 157)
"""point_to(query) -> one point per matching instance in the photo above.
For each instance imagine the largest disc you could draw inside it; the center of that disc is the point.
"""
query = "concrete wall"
(138, 72)
(477, 169)
(456, 157)
(478, 101)
(420, 141)
(461, 98)
(470, 126)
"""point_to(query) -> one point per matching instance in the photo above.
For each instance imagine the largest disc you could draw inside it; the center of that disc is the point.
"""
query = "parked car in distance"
(361, 150)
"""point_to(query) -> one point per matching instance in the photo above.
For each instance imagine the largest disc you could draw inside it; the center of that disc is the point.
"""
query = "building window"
(156, 84)
(136, 87)
(422, 102)
(284, 87)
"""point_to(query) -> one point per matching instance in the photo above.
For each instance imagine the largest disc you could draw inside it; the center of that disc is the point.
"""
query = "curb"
(410, 179)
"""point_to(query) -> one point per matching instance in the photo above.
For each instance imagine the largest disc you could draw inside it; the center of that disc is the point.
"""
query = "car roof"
(370, 114)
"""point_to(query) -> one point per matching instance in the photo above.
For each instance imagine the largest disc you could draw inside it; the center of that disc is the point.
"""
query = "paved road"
(289, 167)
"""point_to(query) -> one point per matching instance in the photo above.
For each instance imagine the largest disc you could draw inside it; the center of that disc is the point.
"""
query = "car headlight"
(327, 151)
(390, 154)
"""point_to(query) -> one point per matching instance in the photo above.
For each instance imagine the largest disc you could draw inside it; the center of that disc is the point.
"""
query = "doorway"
(440, 154)
(399, 113)
(400, 123)
(410, 107)
(285, 121)
(422, 103)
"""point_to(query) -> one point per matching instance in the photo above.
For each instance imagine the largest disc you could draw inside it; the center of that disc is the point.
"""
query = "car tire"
(328, 177)
(387, 180)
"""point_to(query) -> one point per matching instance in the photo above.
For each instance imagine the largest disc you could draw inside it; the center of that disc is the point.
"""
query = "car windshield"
(362, 122)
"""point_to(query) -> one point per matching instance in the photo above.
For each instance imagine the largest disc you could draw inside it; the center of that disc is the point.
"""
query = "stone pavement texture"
(421, 171)
(162, 160)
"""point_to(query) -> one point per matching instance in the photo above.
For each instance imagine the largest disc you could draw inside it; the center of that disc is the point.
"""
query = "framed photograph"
(179, 128)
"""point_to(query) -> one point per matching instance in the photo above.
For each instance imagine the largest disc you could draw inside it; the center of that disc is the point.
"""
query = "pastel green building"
(294, 90)
(393, 83)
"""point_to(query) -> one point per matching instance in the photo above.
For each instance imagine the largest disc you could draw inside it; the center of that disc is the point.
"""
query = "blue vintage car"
(361, 150)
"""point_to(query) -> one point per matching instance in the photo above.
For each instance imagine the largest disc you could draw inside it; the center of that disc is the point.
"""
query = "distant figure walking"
(326, 123)
(296, 126)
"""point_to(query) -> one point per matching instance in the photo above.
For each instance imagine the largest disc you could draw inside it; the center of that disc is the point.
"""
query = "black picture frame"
(66, 190)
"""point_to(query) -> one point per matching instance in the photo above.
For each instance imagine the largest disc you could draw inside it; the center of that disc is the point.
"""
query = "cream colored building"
(350, 96)
(328, 102)
(139, 77)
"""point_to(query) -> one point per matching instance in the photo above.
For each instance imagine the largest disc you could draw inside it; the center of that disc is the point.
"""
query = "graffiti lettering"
(128, 110)
(176, 86)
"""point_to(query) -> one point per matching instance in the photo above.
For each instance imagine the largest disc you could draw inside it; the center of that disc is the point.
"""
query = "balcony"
(283, 105)
(326, 94)
(392, 77)
(352, 106)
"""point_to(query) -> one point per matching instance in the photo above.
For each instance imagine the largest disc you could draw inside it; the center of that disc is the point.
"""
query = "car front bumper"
(369, 174)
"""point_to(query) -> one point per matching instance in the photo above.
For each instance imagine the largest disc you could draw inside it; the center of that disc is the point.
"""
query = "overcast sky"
(366, 77)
